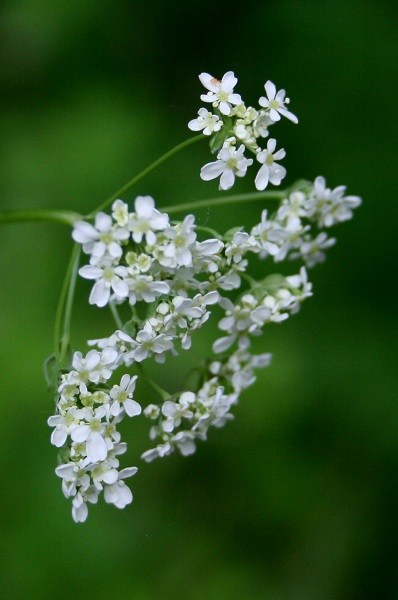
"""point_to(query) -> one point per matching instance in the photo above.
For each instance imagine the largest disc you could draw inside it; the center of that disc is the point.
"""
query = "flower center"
(108, 274)
(122, 397)
(106, 238)
(232, 163)
(274, 104)
(222, 96)
(95, 424)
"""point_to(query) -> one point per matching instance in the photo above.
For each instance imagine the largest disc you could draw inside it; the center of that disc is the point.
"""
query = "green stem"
(217, 201)
(212, 232)
(116, 315)
(147, 170)
(67, 217)
(252, 282)
(64, 309)
(162, 393)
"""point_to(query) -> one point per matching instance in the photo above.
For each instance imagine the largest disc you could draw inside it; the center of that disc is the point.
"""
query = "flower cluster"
(85, 431)
(169, 283)
(235, 128)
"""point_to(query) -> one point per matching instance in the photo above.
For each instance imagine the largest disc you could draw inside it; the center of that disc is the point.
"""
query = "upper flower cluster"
(235, 128)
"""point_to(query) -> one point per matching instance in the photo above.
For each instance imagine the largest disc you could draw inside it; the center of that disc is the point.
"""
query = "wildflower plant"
(163, 279)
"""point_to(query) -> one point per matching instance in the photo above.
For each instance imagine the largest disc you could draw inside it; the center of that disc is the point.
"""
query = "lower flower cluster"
(85, 430)
(168, 284)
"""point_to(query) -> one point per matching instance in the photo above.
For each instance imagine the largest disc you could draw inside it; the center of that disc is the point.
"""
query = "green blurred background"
(298, 497)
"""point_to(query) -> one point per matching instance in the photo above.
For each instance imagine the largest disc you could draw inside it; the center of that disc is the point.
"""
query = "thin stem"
(147, 170)
(64, 308)
(116, 315)
(253, 283)
(233, 199)
(69, 305)
(212, 232)
(162, 393)
(67, 217)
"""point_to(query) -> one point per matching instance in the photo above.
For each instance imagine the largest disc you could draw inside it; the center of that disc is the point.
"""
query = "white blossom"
(275, 103)
(206, 122)
(329, 207)
(100, 239)
(146, 220)
(311, 250)
(91, 431)
(107, 280)
(177, 251)
(230, 163)
(220, 93)
(118, 493)
(270, 171)
(122, 397)
(64, 424)
(142, 287)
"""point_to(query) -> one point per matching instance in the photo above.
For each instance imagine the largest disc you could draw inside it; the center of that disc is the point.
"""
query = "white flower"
(177, 253)
(206, 121)
(73, 477)
(329, 207)
(206, 255)
(270, 171)
(267, 237)
(95, 367)
(92, 431)
(220, 93)
(64, 425)
(152, 411)
(230, 163)
(160, 451)
(311, 249)
(261, 124)
(118, 493)
(214, 407)
(79, 503)
(236, 249)
(100, 239)
(146, 220)
(107, 279)
(151, 343)
(142, 287)
(122, 396)
(120, 212)
(175, 411)
(292, 209)
(184, 440)
(275, 103)
(103, 472)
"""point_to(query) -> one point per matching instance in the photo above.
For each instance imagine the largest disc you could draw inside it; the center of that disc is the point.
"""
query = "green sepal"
(63, 455)
(228, 235)
(51, 370)
(268, 285)
(52, 367)
(217, 140)
(301, 185)
(130, 327)
(194, 379)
